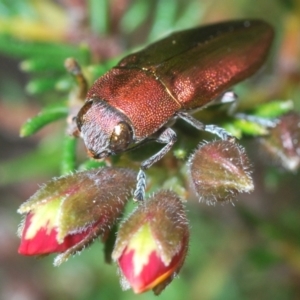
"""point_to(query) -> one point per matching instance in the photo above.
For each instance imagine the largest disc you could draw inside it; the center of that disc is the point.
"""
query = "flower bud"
(282, 145)
(68, 213)
(152, 243)
(219, 170)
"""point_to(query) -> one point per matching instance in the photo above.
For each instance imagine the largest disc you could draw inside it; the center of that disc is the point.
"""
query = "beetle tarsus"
(168, 137)
(220, 132)
(139, 193)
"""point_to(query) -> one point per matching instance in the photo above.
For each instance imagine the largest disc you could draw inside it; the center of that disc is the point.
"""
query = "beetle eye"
(80, 119)
(121, 137)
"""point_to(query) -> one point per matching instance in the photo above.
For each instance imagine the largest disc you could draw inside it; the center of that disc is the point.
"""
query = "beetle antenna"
(74, 69)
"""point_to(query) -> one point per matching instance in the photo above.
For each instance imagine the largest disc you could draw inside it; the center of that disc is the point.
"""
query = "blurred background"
(247, 251)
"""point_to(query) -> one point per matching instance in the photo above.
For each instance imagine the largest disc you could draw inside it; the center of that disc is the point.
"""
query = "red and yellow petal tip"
(141, 262)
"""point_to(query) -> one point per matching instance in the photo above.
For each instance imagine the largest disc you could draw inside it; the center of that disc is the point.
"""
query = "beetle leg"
(139, 193)
(191, 120)
(258, 120)
(220, 132)
(231, 98)
(168, 137)
(227, 97)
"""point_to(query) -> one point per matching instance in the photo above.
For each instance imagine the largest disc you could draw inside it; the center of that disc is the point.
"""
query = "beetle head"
(104, 129)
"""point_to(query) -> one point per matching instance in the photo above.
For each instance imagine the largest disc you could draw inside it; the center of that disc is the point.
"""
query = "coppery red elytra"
(135, 101)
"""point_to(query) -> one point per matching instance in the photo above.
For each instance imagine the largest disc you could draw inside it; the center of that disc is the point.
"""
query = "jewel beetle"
(138, 99)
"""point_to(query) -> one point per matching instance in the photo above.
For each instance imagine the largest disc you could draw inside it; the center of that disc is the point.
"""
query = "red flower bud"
(152, 243)
(39, 233)
(282, 145)
(68, 213)
(219, 170)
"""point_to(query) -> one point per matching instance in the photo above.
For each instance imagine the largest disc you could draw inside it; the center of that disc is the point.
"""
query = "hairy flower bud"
(68, 213)
(282, 145)
(219, 170)
(152, 243)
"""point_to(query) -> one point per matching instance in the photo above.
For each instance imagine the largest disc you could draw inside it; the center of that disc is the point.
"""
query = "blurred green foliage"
(250, 251)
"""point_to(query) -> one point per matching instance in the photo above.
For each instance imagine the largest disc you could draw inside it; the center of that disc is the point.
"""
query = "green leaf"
(41, 65)
(164, 19)
(249, 128)
(134, 16)
(274, 109)
(41, 85)
(187, 17)
(52, 53)
(99, 15)
(68, 162)
(42, 119)
(91, 164)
